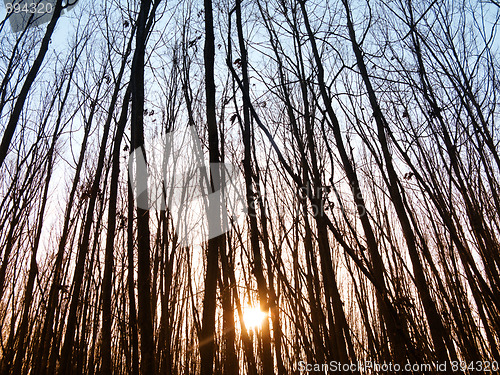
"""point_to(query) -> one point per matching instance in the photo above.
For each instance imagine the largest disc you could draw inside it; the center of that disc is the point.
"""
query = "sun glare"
(253, 317)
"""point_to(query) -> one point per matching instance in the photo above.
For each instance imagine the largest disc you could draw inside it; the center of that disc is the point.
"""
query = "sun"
(253, 317)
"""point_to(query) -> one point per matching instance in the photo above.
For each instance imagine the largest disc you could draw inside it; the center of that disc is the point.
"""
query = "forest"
(249, 187)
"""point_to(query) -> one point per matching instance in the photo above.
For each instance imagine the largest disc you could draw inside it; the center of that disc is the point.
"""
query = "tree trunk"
(30, 78)
(145, 321)
(207, 335)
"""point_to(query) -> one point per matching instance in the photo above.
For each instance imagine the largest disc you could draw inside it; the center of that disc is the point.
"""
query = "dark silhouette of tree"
(207, 333)
(145, 321)
(30, 78)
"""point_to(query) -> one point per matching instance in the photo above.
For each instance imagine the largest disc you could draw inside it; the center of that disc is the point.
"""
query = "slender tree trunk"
(132, 318)
(267, 359)
(145, 321)
(230, 360)
(207, 334)
(106, 367)
(30, 78)
(83, 249)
